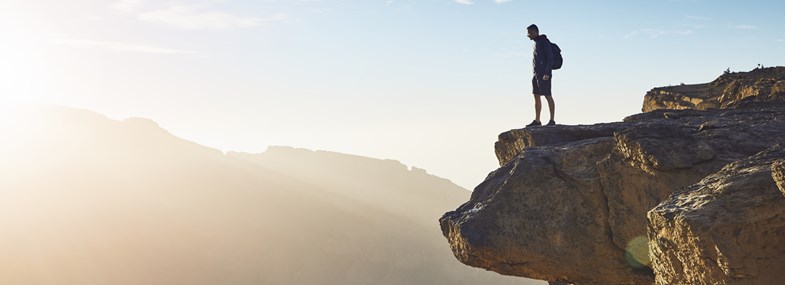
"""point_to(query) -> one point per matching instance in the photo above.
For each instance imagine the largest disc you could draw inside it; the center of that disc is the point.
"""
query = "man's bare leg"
(551, 107)
(538, 107)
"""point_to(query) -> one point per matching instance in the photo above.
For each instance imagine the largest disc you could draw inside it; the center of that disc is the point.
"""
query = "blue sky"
(430, 83)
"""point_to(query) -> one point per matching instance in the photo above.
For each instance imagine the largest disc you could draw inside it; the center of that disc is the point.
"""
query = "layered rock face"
(570, 203)
(763, 84)
(727, 229)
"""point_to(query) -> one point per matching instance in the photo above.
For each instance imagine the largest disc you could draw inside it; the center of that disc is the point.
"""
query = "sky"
(430, 83)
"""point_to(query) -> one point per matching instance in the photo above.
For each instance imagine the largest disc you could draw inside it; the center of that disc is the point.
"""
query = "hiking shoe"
(551, 123)
(534, 124)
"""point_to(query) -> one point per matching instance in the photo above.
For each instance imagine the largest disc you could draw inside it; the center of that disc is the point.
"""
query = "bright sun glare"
(20, 59)
(23, 56)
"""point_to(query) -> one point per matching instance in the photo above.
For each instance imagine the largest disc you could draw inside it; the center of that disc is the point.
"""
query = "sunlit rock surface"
(727, 229)
(570, 203)
(762, 84)
(778, 173)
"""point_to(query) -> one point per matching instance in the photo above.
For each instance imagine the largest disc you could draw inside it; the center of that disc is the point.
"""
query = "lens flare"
(637, 254)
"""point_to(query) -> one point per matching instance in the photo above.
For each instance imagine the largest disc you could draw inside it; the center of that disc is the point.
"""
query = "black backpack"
(557, 59)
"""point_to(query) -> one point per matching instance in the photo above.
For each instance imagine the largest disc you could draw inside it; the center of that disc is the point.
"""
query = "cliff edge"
(760, 84)
(690, 196)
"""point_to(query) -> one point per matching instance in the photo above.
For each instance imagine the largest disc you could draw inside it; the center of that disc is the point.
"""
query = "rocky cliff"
(727, 229)
(761, 84)
(690, 196)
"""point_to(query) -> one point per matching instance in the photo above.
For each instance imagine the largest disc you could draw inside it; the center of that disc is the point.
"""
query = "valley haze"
(89, 200)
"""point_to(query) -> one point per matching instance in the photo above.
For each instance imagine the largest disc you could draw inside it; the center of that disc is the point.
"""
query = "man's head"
(532, 31)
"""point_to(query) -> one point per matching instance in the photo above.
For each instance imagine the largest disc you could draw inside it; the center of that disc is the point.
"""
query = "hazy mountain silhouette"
(89, 200)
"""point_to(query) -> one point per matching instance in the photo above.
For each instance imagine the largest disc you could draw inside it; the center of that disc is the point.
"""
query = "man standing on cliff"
(541, 83)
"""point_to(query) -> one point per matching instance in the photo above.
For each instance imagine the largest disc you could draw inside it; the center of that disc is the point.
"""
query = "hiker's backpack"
(557, 59)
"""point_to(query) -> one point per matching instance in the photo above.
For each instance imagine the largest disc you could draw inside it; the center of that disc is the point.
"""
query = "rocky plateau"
(692, 191)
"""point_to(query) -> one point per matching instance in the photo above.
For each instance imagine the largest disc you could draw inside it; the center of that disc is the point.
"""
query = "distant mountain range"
(89, 200)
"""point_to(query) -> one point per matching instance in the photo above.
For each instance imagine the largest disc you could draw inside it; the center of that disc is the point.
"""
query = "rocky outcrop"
(570, 203)
(761, 84)
(727, 229)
